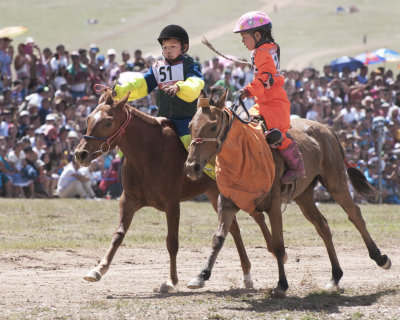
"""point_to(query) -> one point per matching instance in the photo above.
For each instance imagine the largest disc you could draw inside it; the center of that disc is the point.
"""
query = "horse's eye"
(108, 124)
(214, 128)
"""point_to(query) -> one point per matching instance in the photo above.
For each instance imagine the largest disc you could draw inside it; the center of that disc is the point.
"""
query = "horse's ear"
(105, 97)
(221, 101)
(203, 94)
(123, 101)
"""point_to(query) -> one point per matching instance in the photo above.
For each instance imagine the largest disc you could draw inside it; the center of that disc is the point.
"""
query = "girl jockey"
(267, 88)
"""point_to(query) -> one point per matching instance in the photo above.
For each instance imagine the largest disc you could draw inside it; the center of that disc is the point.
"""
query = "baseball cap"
(94, 48)
(23, 113)
(50, 117)
(100, 58)
(111, 52)
(29, 40)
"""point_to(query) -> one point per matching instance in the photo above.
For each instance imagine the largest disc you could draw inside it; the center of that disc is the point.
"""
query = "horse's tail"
(357, 178)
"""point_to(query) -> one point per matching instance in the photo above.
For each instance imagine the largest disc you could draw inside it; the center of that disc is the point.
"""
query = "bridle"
(222, 134)
(110, 140)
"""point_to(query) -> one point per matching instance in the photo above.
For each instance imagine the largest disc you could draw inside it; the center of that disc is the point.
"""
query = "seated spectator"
(72, 183)
(12, 166)
(5, 185)
(33, 170)
(94, 173)
(111, 183)
(50, 175)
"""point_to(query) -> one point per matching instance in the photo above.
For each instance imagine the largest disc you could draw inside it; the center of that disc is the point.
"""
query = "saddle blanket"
(244, 167)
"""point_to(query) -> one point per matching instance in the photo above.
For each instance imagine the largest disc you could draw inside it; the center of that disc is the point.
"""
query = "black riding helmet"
(174, 31)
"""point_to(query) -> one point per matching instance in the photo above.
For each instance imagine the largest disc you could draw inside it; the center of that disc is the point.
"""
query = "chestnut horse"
(152, 175)
(324, 162)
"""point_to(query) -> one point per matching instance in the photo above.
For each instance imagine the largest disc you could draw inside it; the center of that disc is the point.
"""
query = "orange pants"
(277, 116)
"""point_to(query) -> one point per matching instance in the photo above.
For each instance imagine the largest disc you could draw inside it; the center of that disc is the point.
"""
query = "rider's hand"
(114, 92)
(241, 93)
(171, 90)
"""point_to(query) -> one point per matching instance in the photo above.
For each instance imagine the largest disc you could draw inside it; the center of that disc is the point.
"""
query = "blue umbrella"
(345, 62)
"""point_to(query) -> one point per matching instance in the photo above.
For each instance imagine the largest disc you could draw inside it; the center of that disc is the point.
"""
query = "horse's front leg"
(173, 216)
(127, 209)
(275, 218)
(226, 213)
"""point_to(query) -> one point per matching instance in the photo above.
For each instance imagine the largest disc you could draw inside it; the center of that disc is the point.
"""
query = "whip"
(211, 47)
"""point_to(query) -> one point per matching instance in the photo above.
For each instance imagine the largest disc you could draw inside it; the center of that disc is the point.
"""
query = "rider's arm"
(139, 87)
(189, 90)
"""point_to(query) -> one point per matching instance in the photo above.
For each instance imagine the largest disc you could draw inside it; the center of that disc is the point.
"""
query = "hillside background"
(310, 32)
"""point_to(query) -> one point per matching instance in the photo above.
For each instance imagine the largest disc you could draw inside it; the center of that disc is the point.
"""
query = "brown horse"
(324, 162)
(152, 175)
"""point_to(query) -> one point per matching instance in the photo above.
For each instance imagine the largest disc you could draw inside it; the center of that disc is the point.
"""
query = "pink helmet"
(252, 20)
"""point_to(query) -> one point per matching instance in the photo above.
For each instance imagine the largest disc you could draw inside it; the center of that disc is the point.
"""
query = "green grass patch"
(61, 224)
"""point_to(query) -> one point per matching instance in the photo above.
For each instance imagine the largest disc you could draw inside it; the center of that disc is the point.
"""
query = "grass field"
(74, 224)
(309, 31)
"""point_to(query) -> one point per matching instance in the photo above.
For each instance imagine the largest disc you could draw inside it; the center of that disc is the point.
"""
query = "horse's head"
(207, 128)
(103, 128)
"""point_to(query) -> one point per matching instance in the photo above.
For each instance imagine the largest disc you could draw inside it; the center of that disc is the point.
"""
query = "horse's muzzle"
(82, 157)
(193, 170)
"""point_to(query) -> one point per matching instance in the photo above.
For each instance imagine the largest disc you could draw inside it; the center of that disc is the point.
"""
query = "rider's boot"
(294, 161)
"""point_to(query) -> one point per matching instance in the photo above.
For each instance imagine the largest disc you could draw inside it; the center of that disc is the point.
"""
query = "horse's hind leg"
(237, 237)
(341, 194)
(259, 218)
(226, 213)
(127, 208)
(307, 205)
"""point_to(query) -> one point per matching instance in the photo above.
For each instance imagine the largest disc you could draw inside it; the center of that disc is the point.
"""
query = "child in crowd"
(267, 88)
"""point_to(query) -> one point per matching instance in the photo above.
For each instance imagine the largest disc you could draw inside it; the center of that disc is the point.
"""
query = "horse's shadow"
(260, 301)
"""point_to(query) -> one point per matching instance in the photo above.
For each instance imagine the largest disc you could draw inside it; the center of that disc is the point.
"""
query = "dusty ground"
(49, 285)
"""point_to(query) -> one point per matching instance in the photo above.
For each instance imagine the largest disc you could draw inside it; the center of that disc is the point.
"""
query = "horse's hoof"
(331, 286)
(167, 287)
(277, 293)
(247, 282)
(196, 283)
(92, 276)
(387, 265)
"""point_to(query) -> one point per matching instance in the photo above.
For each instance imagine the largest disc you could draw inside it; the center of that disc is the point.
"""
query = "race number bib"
(166, 74)
(274, 54)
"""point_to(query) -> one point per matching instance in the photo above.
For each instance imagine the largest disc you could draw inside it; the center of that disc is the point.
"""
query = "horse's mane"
(155, 121)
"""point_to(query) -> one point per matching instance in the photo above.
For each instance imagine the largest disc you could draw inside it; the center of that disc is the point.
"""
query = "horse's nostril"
(83, 155)
(197, 167)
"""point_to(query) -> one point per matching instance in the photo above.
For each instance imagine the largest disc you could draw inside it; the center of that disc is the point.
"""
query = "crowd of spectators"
(46, 95)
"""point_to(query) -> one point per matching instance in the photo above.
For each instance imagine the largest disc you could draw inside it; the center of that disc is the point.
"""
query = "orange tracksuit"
(272, 103)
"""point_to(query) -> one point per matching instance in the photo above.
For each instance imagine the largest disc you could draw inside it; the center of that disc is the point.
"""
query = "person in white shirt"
(72, 183)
